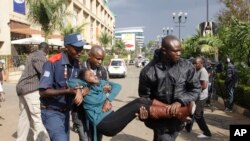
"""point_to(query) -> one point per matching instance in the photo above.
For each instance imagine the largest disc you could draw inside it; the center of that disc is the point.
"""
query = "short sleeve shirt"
(55, 74)
(203, 75)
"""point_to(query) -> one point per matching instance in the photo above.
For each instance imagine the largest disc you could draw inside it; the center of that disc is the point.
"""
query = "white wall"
(5, 48)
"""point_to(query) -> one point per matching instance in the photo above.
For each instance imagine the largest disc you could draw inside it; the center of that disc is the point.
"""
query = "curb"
(236, 108)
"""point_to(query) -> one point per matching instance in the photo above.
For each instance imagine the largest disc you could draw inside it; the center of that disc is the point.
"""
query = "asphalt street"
(218, 121)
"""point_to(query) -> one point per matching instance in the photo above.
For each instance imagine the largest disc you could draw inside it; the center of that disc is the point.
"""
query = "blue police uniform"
(55, 109)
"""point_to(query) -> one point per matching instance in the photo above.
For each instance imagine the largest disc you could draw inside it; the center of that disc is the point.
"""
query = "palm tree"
(68, 29)
(195, 45)
(119, 46)
(49, 14)
(213, 44)
(105, 39)
(190, 46)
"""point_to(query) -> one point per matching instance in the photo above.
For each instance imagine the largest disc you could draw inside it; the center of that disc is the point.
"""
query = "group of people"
(49, 89)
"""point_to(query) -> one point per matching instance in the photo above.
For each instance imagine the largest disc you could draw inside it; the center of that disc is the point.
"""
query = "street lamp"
(171, 29)
(178, 18)
(167, 31)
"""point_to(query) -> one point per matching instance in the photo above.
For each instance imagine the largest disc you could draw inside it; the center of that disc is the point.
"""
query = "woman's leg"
(116, 121)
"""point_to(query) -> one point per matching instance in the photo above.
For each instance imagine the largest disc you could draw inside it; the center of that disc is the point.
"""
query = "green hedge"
(242, 93)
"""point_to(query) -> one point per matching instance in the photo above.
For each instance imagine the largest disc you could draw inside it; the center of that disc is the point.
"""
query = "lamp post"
(163, 31)
(171, 29)
(167, 31)
(178, 18)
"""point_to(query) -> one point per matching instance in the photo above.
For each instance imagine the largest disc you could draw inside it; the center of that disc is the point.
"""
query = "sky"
(154, 15)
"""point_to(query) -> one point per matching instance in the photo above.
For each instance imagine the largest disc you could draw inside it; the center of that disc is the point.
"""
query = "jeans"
(230, 96)
(57, 124)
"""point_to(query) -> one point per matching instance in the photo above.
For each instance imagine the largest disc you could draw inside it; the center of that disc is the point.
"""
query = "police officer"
(56, 98)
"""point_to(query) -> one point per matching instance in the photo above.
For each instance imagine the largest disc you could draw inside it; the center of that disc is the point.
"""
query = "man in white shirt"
(201, 101)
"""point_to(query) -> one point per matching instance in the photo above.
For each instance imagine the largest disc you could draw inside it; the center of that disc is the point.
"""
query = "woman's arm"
(115, 89)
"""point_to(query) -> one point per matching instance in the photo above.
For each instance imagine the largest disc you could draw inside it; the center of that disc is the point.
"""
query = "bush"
(242, 93)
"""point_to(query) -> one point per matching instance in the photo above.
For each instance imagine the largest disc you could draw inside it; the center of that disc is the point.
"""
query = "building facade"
(132, 37)
(14, 23)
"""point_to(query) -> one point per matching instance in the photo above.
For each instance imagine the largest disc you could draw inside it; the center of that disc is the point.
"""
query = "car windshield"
(116, 63)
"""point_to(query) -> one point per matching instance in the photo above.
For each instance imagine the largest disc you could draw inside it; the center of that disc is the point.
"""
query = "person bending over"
(102, 118)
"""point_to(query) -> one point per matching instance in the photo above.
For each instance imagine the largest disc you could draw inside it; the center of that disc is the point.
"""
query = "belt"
(46, 107)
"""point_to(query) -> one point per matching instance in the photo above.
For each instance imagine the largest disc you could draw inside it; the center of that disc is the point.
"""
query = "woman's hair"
(82, 72)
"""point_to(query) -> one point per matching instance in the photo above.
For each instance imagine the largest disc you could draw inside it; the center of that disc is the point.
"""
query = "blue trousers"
(57, 124)
(230, 96)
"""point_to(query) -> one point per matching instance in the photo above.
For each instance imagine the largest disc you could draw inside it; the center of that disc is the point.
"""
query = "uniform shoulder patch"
(55, 57)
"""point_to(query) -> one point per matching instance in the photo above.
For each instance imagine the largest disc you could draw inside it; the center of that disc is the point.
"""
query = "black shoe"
(188, 127)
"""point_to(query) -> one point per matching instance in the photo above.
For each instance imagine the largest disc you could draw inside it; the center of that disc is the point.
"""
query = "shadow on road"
(126, 137)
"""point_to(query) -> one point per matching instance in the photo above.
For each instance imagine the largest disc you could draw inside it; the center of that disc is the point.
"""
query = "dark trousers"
(116, 121)
(81, 123)
(160, 135)
(57, 124)
(199, 118)
(230, 96)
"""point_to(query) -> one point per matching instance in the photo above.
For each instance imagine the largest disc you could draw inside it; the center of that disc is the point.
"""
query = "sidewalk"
(218, 121)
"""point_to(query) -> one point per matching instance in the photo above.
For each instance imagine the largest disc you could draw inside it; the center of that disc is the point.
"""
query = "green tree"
(190, 46)
(213, 44)
(236, 40)
(202, 46)
(69, 28)
(49, 14)
(118, 47)
(105, 39)
(240, 9)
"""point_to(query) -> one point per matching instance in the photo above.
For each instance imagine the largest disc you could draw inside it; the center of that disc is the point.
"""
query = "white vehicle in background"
(117, 67)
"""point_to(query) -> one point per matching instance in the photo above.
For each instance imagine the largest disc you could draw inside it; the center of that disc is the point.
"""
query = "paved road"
(218, 121)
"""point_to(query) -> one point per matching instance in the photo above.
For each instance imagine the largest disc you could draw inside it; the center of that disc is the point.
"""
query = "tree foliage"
(69, 28)
(118, 47)
(49, 14)
(236, 39)
(239, 9)
(105, 39)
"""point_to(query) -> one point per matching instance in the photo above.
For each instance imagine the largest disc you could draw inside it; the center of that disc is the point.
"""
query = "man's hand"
(106, 106)
(78, 97)
(85, 91)
(174, 108)
(107, 88)
(143, 113)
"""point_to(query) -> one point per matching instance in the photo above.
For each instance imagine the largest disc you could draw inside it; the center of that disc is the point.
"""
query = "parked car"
(131, 62)
(117, 67)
